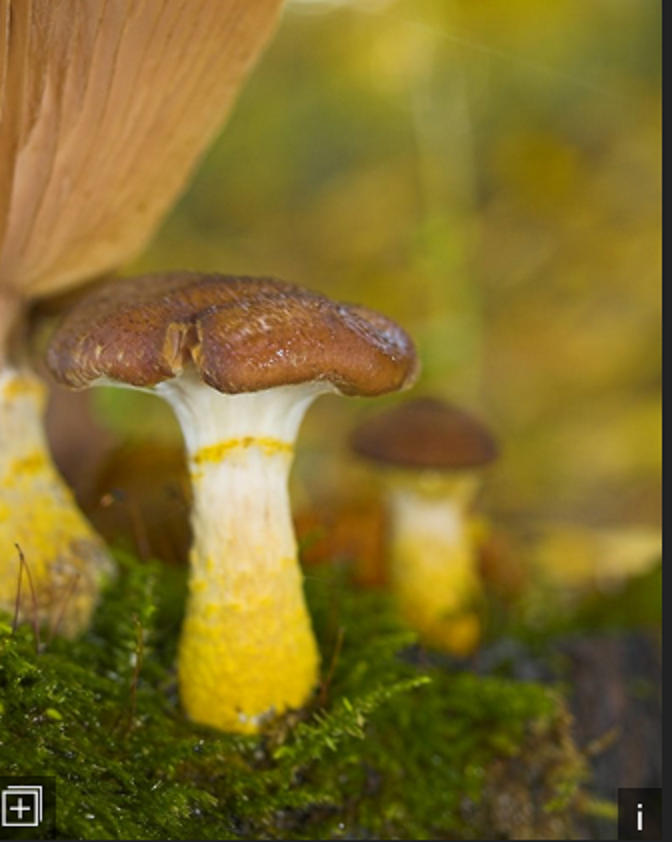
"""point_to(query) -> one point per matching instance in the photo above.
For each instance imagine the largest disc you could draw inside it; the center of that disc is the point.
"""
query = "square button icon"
(21, 806)
(27, 807)
(640, 813)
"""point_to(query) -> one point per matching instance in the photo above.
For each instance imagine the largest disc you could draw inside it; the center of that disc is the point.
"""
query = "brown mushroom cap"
(240, 334)
(425, 433)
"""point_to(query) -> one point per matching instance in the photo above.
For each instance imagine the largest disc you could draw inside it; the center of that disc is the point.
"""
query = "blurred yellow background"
(489, 175)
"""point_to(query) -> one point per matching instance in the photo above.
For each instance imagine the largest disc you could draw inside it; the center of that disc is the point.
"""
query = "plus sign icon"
(27, 807)
(22, 806)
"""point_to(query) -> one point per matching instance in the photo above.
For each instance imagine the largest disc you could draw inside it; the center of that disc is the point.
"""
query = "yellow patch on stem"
(29, 465)
(218, 452)
(23, 387)
(248, 657)
(440, 597)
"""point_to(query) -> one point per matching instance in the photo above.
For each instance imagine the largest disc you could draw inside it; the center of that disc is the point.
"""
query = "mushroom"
(431, 452)
(240, 360)
(52, 564)
(105, 108)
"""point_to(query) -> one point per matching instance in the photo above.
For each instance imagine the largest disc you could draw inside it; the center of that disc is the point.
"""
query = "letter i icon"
(640, 818)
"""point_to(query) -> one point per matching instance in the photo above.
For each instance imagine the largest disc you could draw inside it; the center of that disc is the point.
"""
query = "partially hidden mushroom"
(106, 106)
(240, 360)
(431, 454)
(52, 563)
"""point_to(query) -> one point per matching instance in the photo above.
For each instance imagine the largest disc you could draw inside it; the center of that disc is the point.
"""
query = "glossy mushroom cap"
(425, 433)
(239, 334)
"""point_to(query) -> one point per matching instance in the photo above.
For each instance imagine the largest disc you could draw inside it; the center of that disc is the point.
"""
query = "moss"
(390, 748)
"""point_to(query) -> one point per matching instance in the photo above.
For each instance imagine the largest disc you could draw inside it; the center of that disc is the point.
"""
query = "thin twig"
(326, 683)
(19, 588)
(36, 626)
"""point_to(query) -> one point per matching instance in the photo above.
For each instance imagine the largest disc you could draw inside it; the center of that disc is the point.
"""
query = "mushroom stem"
(433, 568)
(65, 560)
(247, 650)
(10, 310)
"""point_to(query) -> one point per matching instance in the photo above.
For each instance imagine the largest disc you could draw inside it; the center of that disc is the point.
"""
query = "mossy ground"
(394, 745)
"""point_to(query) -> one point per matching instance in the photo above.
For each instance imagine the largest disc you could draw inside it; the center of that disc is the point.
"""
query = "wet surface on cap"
(241, 335)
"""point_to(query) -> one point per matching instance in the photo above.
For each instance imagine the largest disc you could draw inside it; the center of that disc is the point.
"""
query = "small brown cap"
(240, 334)
(425, 433)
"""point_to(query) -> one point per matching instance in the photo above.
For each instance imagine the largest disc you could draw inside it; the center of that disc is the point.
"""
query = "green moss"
(390, 748)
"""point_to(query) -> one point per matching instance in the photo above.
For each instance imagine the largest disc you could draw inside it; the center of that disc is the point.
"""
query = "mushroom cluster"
(240, 360)
(431, 453)
(105, 107)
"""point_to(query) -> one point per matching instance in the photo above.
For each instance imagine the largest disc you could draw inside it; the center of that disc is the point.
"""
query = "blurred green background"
(489, 175)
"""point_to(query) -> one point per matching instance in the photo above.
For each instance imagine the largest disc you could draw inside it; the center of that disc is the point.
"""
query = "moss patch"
(390, 748)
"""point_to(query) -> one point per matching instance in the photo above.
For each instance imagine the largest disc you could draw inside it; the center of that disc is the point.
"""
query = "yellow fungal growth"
(247, 651)
(438, 592)
(217, 452)
(64, 562)
(14, 386)
(250, 656)
(433, 564)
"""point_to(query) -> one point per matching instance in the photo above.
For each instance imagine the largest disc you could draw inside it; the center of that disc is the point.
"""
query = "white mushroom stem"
(433, 567)
(64, 561)
(247, 650)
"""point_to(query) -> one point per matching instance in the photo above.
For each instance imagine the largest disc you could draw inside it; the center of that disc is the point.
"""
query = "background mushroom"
(240, 360)
(431, 452)
(105, 108)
